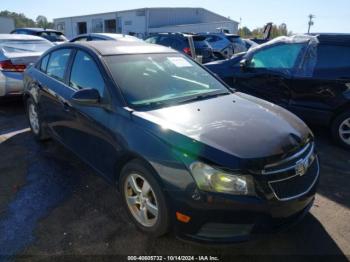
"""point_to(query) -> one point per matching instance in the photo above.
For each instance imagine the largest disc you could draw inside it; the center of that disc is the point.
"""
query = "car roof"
(332, 37)
(109, 36)
(114, 36)
(110, 47)
(37, 29)
(20, 37)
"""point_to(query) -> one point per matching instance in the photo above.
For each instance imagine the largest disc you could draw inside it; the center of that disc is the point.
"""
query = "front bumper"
(224, 219)
(11, 83)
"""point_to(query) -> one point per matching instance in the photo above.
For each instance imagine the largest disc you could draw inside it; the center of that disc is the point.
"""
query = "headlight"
(214, 180)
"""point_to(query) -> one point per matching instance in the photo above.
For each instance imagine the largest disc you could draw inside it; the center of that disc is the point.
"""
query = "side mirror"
(87, 96)
(244, 64)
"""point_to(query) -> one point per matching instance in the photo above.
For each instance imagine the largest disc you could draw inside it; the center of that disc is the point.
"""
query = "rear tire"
(143, 198)
(341, 129)
(35, 122)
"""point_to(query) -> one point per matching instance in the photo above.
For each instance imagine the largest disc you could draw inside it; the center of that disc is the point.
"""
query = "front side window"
(85, 73)
(57, 65)
(153, 80)
(283, 56)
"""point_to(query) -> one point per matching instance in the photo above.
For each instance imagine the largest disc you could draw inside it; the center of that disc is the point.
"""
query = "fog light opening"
(182, 218)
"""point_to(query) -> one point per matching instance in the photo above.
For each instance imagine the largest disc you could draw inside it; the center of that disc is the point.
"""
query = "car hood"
(237, 125)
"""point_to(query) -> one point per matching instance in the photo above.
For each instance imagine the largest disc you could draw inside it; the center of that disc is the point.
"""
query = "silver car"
(105, 36)
(225, 45)
(16, 53)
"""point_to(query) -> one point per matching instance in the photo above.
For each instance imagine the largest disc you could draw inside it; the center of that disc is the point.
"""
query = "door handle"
(38, 84)
(65, 105)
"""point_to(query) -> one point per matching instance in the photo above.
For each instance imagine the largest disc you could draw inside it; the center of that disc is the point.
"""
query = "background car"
(16, 53)
(175, 140)
(104, 36)
(249, 43)
(180, 42)
(308, 75)
(225, 44)
(54, 36)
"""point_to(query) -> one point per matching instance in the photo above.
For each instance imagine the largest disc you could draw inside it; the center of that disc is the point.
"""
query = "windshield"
(150, 80)
(24, 46)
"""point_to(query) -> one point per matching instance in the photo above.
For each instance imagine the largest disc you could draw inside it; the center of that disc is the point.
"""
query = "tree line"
(22, 21)
(277, 30)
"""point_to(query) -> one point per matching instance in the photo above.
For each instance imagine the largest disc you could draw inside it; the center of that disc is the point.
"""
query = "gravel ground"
(54, 206)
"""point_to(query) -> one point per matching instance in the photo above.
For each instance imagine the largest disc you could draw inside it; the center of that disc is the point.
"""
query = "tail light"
(187, 51)
(7, 66)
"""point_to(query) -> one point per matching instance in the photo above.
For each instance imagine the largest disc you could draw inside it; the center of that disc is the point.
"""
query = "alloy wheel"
(344, 131)
(141, 200)
(33, 118)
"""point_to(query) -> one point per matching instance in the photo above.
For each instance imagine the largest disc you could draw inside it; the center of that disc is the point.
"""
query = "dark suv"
(308, 74)
(180, 42)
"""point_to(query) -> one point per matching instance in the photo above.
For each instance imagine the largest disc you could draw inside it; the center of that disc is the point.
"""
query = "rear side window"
(85, 73)
(97, 39)
(165, 40)
(333, 56)
(152, 40)
(58, 62)
(333, 61)
(81, 39)
(44, 62)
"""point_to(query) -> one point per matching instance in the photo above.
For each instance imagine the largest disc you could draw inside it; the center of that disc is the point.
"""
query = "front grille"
(289, 163)
(295, 175)
(295, 186)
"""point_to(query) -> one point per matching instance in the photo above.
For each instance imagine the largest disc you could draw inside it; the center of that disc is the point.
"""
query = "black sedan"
(185, 152)
(308, 75)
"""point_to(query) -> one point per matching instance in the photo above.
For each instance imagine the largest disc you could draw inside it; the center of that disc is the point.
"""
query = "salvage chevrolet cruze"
(187, 154)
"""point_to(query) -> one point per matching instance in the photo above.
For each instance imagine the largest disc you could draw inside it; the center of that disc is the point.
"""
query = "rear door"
(54, 93)
(316, 97)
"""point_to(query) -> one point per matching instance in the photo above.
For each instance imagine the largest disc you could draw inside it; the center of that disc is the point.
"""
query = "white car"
(17, 52)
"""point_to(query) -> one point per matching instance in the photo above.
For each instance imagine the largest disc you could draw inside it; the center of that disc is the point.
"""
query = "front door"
(89, 134)
(268, 73)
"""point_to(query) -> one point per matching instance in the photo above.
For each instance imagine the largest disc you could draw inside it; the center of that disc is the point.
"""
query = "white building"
(141, 22)
(7, 24)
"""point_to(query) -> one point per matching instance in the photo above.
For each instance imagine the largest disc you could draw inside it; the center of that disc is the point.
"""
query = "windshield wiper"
(201, 97)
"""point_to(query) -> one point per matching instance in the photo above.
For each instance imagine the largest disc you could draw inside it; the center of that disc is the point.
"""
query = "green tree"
(276, 31)
(20, 19)
(244, 32)
(42, 21)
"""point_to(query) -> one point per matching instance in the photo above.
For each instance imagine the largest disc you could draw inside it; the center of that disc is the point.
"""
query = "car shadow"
(335, 168)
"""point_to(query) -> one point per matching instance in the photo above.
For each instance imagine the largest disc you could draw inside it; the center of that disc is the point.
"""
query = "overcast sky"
(331, 15)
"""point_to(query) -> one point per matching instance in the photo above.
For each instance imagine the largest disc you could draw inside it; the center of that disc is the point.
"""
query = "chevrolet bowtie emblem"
(301, 167)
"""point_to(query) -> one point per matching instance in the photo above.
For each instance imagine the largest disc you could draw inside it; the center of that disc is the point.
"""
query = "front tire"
(143, 198)
(341, 129)
(34, 120)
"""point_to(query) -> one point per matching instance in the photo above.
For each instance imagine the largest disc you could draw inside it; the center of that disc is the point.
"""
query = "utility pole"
(311, 22)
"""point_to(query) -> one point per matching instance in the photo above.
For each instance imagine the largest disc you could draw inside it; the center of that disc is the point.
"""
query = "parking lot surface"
(51, 204)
